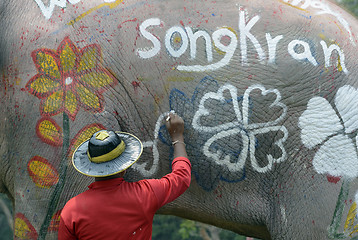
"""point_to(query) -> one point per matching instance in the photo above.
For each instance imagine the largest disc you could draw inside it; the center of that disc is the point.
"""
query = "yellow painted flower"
(69, 78)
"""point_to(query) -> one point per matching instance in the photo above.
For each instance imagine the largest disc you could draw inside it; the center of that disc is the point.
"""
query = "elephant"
(267, 89)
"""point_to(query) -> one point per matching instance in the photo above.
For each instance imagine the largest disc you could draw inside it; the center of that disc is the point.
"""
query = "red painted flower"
(69, 78)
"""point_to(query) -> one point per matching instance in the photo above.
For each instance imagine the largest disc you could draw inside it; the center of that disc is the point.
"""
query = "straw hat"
(107, 153)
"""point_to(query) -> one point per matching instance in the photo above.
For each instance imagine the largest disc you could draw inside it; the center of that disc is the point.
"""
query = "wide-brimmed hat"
(107, 153)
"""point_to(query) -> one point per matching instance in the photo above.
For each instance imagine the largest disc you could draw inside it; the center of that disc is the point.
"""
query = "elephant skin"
(268, 91)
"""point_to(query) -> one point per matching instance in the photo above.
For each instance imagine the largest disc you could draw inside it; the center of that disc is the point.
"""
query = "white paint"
(188, 37)
(318, 122)
(143, 167)
(149, 53)
(346, 102)
(337, 157)
(296, 2)
(305, 55)
(229, 51)
(324, 9)
(356, 211)
(279, 143)
(328, 52)
(48, 10)
(241, 128)
(272, 45)
(226, 160)
(245, 33)
(193, 39)
(219, 96)
(283, 214)
(74, 1)
(276, 105)
(68, 81)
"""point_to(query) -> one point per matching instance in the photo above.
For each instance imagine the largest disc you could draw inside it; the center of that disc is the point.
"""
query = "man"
(115, 209)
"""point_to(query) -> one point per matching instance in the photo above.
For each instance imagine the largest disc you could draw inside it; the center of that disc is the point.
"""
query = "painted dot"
(177, 39)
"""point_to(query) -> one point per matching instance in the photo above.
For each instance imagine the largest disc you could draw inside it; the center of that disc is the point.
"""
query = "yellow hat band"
(108, 156)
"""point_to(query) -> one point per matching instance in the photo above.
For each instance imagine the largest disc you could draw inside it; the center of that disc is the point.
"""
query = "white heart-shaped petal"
(279, 143)
(276, 103)
(318, 122)
(347, 104)
(337, 157)
(225, 160)
(203, 111)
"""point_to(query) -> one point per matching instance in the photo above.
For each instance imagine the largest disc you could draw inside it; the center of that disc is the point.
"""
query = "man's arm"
(172, 185)
(63, 232)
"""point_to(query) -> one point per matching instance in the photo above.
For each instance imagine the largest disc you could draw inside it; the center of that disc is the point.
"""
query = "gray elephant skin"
(267, 89)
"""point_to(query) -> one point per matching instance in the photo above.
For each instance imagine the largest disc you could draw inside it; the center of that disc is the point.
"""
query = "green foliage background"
(175, 228)
(349, 5)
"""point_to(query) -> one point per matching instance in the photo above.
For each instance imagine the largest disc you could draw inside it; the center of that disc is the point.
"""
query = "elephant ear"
(318, 122)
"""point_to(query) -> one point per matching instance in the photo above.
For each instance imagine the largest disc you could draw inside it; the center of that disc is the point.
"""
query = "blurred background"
(164, 227)
(350, 5)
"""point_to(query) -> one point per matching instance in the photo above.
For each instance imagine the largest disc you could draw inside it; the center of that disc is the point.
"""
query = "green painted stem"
(338, 212)
(55, 197)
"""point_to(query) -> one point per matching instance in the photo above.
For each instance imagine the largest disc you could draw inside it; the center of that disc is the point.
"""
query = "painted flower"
(334, 132)
(240, 127)
(223, 131)
(69, 78)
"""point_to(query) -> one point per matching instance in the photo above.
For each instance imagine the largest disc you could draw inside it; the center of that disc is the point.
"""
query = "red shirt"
(116, 209)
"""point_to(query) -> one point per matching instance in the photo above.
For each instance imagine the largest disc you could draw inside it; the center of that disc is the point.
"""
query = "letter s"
(144, 53)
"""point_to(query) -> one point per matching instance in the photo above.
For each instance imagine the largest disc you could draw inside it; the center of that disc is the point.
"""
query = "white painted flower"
(241, 127)
(320, 125)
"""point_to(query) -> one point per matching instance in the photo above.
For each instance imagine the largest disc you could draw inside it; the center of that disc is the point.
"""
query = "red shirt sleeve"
(172, 185)
(64, 233)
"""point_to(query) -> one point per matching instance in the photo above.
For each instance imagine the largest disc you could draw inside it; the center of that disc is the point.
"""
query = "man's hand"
(175, 126)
